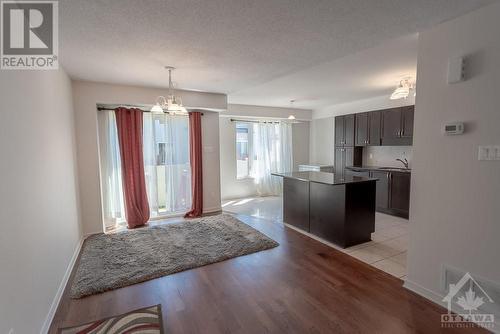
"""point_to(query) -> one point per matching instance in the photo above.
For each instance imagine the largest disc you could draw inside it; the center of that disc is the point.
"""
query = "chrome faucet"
(404, 162)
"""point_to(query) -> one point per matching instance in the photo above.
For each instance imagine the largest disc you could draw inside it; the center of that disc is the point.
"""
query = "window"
(244, 139)
(262, 148)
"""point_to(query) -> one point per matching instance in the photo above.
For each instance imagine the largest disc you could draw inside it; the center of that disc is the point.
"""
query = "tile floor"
(387, 250)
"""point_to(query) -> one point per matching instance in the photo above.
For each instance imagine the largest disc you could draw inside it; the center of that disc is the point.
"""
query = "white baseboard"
(212, 209)
(438, 299)
(62, 287)
(88, 234)
(424, 292)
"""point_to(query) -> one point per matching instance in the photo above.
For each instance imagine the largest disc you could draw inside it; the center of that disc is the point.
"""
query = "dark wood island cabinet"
(340, 210)
(393, 188)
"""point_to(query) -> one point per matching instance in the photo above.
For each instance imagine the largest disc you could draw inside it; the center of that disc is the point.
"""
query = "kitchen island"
(337, 209)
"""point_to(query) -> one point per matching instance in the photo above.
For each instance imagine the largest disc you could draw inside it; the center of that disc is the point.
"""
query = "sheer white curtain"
(111, 170)
(272, 149)
(166, 163)
(166, 166)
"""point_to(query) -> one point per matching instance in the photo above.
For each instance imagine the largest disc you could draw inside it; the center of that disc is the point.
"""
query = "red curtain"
(129, 125)
(196, 166)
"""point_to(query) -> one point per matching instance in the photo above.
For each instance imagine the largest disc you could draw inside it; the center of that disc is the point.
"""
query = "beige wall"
(231, 187)
(39, 216)
(88, 94)
(454, 214)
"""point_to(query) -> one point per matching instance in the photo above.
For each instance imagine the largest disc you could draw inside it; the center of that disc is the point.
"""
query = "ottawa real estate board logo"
(467, 298)
(29, 35)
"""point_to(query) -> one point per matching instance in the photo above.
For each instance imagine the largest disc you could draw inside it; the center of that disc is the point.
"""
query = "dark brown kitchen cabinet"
(339, 131)
(374, 128)
(397, 126)
(346, 157)
(393, 192)
(344, 130)
(382, 193)
(400, 193)
(407, 115)
(339, 161)
(368, 128)
(362, 131)
(349, 130)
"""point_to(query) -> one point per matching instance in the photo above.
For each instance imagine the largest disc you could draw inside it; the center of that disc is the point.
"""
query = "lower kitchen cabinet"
(382, 193)
(393, 192)
(400, 193)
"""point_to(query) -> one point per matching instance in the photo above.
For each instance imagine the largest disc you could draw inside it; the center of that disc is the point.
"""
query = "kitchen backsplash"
(385, 156)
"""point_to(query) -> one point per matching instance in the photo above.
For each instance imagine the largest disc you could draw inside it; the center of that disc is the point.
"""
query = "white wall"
(322, 141)
(231, 187)
(39, 215)
(88, 94)
(454, 214)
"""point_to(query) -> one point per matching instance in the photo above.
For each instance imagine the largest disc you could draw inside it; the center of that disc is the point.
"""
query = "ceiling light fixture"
(403, 90)
(171, 104)
(291, 117)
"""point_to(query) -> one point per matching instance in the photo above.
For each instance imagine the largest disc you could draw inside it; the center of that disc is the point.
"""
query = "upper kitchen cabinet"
(368, 127)
(407, 114)
(344, 130)
(397, 126)
(374, 128)
(362, 129)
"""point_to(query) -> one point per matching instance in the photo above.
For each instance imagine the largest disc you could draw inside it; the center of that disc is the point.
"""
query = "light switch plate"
(456, 66)
(491, 152)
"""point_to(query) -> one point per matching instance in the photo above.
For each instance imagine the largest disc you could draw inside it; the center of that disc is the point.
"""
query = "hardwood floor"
(302, 286)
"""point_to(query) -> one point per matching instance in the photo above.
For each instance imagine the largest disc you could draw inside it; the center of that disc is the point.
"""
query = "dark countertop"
(379, 169)
(325, 178)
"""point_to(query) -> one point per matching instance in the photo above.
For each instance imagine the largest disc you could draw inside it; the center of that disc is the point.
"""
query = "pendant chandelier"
(171, 104)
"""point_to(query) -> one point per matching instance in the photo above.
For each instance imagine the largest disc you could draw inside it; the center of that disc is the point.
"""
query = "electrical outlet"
(496, 149)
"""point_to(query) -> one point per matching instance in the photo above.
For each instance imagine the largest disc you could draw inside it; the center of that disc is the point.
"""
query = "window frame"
(250, 154)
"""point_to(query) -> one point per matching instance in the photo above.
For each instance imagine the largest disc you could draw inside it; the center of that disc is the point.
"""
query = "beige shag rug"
(111, 261)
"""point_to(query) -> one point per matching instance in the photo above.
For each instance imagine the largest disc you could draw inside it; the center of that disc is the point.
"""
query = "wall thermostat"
(456, 128)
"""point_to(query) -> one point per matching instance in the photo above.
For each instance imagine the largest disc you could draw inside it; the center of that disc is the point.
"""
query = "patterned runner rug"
(145, 321)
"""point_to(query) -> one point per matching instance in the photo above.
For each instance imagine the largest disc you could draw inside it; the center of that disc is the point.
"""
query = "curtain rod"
(251, 121)
(143, 110)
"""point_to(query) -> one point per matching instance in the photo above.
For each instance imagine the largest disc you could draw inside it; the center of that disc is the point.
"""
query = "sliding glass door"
(166, 166)
(166, 163)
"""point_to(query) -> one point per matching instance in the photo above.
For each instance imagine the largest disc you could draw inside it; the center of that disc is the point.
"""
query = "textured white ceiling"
(235, 46)
(366, 74)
